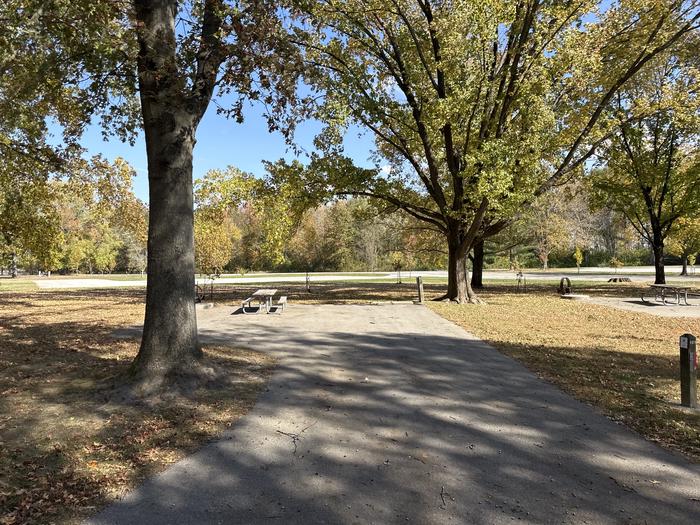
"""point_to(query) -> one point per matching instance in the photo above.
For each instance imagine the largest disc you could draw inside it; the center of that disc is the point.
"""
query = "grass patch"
(66, 446)
(108, 276)
(360, 292)
(299, 274)
(625, 363)
(17, 285)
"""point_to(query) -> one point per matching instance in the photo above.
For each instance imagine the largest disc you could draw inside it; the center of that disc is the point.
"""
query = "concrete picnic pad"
(391, 414)
(635, 304)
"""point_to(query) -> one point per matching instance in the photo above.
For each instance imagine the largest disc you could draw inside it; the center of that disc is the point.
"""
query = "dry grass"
(16, 285)
(625, 363)
(367, 291)
(66, 445)
(328, 293)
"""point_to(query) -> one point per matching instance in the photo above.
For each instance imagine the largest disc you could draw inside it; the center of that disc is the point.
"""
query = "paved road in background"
(390, 414)
(589, 274)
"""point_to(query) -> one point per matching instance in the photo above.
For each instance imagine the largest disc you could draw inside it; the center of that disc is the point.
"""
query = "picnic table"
(264, 298)
(662, 291)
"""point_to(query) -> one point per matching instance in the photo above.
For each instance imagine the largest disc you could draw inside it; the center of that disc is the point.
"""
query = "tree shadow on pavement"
(425, 426)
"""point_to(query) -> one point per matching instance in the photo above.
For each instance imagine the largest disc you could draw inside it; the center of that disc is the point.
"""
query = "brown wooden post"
(689, 369)
(419, 282)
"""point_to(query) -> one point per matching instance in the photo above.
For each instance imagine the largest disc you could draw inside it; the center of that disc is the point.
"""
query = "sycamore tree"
(475, 106)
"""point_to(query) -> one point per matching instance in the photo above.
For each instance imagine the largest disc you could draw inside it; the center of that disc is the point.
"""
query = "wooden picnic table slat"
(671, 287)
(265, 292)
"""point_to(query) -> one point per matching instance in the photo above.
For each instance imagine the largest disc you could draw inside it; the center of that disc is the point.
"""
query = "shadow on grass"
(67, 442)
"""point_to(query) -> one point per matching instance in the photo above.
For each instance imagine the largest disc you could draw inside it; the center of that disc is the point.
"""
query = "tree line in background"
(88, 222)
(91, 222)
(276, 224)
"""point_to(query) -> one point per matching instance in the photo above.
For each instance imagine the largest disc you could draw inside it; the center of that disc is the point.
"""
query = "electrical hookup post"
(419, 284)
(689, 371)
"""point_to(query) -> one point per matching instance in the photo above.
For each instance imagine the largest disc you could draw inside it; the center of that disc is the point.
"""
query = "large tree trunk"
(458, 286)
(171, 112)
(658, 250)
(478, 264)
(471, 294)
(457, 275)
(684, 271)
(169, 341)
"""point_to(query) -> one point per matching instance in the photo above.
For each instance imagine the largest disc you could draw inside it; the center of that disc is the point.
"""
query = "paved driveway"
(390, 414)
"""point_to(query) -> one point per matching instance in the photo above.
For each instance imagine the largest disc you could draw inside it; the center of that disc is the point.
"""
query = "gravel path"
(390, 414)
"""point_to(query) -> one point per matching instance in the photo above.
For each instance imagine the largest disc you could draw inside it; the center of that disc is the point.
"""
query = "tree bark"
(658, 250)
(171, 113)
(458, 286)
(684, 271)
(13, 265)
(478, 264)
(457, 274)
(471, 294)
(170, 328)
(459, 243)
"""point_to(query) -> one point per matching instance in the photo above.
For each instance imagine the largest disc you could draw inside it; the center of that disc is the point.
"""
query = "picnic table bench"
(264, 299)
(662, 291)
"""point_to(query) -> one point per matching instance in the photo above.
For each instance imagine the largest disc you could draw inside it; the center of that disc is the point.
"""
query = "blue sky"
(222, 142)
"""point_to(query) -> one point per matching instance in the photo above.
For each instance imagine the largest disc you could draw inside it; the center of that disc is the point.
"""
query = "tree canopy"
(61, 62)
(475, 107)
(652, 163)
